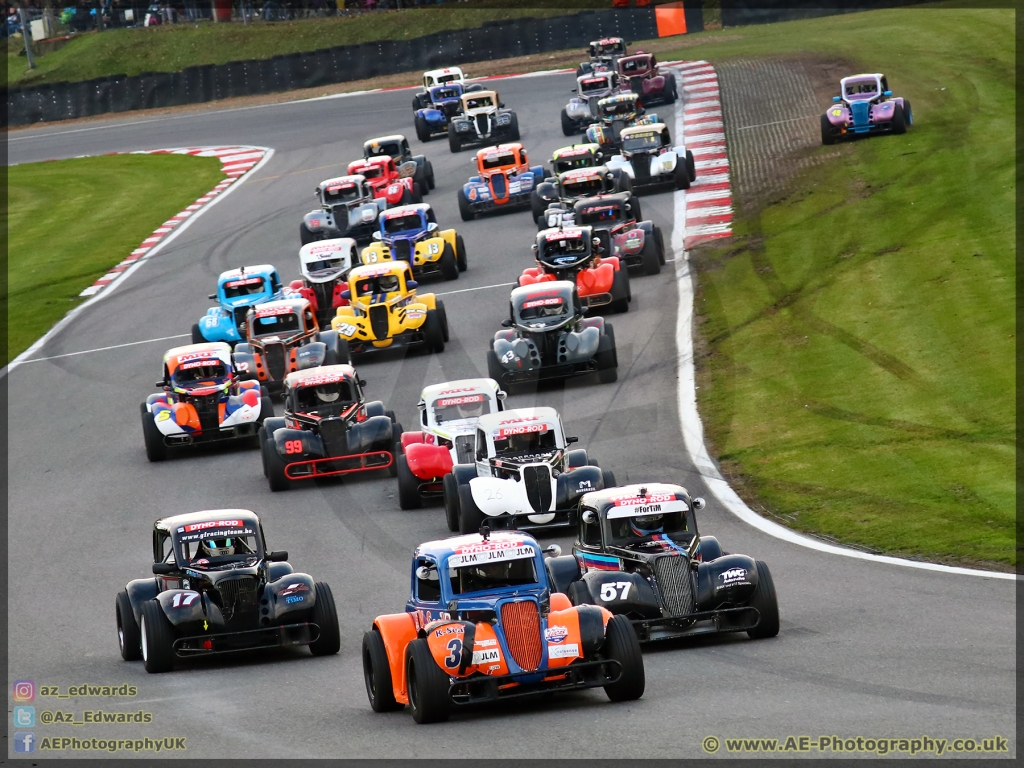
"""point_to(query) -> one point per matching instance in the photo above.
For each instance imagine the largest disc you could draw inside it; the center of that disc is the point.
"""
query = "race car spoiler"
(231, 642)
(577, 676)
(703, 623)
(358, 462)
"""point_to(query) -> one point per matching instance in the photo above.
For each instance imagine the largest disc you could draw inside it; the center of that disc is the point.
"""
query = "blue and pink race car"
(866, 106)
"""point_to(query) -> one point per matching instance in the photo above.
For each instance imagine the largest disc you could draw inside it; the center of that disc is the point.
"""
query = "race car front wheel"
(568, 124)
(606, 357)
(448, 263)
(197, 335)
(427, 684)
(622, 645)
(766, 603)
(156, 449)
(827, 137)
(408, 484)
(422, 131)
(681, 176)
(157, 637)
(608, 478)
(433, 331)
(325, 616)
(128, 636)
(470, 516)
(465, 211)
(275, 466)
(451, 502)
(377, 674)
(649, 254)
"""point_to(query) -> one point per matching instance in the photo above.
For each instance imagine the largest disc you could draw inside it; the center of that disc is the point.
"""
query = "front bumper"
(576, 677)
(719, 621)
(280, 636)
(404, 339)
(212, 436)
(518, 200)
(311, 469)
(548, 372)
(564, 518)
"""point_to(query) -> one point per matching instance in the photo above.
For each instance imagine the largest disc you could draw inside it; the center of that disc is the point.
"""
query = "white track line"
(478, 288)
(104, 349)
(693, 428)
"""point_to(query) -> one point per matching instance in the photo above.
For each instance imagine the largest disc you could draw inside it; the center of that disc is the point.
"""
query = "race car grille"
(324, 293)
(401, 250)
(465, 445)
(482, 124)
(537, 480)
(521, 622)
(861, 111)
(450, 108)
(237, 597)
(499, 185)
(334, 434)
(239, 314)
(208, 411)
(675, 582)
(379, 321)
(274, 356)
(641, 163)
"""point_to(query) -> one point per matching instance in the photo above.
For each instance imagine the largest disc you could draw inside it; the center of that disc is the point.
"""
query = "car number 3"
(609, 590)
(454, 653)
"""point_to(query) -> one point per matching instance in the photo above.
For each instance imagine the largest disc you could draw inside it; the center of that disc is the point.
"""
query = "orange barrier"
(671, 19)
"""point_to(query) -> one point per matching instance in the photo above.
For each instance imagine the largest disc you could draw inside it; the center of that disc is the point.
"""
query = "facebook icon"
(24, 741)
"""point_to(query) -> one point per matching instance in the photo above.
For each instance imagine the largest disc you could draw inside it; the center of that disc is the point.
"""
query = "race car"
(482, 119)
(574, 157)
(482, 624)
(646, 80)
(559, 193)
(547, 337)
(348, 208)
(324, 266)
(603, 55)
(448, 414)
(866, 106)
(385, 180)
(504, 181)
(577, 254)
(649, 159)
(581, 110)
(615, 113)
(283, 337)
(215, 589)
(397, 148)
(384, 311)
(524, 476)
(636, 244)
(328, 429)
(440, 104)
(435, 77)
(202, 401)
(237, 290)
(638, 554)
(410, 234)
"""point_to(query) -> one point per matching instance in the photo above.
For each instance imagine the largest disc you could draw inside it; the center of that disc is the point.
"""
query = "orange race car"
(482, 625)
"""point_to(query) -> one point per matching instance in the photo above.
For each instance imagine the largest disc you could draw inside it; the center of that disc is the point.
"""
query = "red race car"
(385, 180)
(646, 80)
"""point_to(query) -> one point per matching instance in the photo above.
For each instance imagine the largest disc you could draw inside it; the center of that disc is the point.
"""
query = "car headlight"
(462, 127)
(504, 119)
(367, 215)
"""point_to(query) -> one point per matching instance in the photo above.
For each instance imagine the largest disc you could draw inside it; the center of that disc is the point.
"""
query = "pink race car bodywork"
(865, 106)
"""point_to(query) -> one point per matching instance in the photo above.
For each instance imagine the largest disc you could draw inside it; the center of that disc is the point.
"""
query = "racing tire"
(454, 144)
(460, 254)
(649, 254)
(766, 602)
(827, 137)
(579, 593)
(465, 211)
(494, 367)
(422, 182)
(417, 101)
(422, 130)
(621, 645)
(308, 236)
(430, 174)
(691, 166)
(620, 288)
(197, 335)
(275, 466)
(568, 124)
(261, 435)
(448, 263)
(266, 412)
(470, 516)
(513, 128)
(156, 449)
(396, 446)
(451, 502)
(899, 120)
(680, 176)
(444, 318)
(607, 358)
(343, 352)
(427, 684)
(408, 484)
(433, 332)
(659, 238)
(672, 89)
(330, 357)
(325, 616)
(157, 638)
(908, 113)
(634, 202)
(129, 638)
(377, 674)
(607, 478)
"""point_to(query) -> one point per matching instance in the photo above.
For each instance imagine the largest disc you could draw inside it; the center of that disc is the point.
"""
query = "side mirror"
(432, 226)
(506, 323)
(572, 90)
(699, 503)
(589, 517)
(836, 99)
(553, 550)
(410, 284)
(362, 382)
(277, 556)
(164, 569)
(887, 93)
(377, 236)
(161, 383)
(501, 105)
(502, 394)
(346, 294)
(212, 296)
(571, 440)
(423, 573)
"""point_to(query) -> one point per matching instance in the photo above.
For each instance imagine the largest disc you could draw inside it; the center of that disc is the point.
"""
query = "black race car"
(217, 590)
(638, 554)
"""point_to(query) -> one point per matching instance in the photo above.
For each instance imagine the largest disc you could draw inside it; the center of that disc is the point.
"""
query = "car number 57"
(610, 590)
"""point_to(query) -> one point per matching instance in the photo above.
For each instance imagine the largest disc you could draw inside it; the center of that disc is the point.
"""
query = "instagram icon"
(24, 690)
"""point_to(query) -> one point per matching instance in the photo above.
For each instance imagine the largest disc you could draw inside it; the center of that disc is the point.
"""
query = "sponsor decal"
(454, 391)
(246, 281)
(552, 302)
(321, 378)
(733, 576)
(377, 271)
(556, 633)
(215, 533)
(487, 656)
(213, 524)
(464, 400)
(293, 588)
(295, 599)
(339, 187)
(523, 430)
(567, 651)
(486, 643)
(274, 311)
(198, 363)
(449, 629)
(517, 552)
(205, 354)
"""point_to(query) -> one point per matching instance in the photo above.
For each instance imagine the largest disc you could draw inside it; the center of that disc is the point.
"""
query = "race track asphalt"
(865, 648)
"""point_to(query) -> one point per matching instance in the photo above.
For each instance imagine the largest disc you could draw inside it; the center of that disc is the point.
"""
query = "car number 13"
(610, 590)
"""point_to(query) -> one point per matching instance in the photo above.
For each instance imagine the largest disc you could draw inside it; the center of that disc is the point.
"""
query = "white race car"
(581, 110)
(649, 159)
(325, 266)
(436, 77)
(447, 436)
(523, 476)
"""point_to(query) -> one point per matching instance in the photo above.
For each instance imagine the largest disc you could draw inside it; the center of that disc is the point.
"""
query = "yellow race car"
(384, 312)
(410, 233)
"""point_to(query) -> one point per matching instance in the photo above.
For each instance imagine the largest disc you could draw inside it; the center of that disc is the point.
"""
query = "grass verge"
(70, 221)
(858, 375)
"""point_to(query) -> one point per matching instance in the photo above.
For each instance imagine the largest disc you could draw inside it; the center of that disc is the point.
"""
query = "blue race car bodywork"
(433, 119)
(237, 290)
(501, 190)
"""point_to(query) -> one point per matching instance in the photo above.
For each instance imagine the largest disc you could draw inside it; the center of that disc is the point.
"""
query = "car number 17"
(610, 590)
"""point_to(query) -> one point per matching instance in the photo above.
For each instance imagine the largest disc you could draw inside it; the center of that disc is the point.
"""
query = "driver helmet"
(387, 283)
(467, 410)
(646, 525)
(217, 547)
(327, 393)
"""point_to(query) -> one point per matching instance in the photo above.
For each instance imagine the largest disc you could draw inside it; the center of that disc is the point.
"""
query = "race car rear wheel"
(451, 502)
(827, 137)
(157, 636)
(659, 238)
(470, 516)
(408, 484)
(306, 235)
(649, 254)
(691, 165)
(608, 478)
(444, 318)
(621, 644)
(156, 448)
(634, 201)
(494, 367)
(377, 674)
(681, 176)
(899, 120)
(460, 253)
(448, 263)
(433, 332)
(908, 113)
(197, 335)
(766, 603)
(465, 211)
(430, 174)
(671, 90)
(568, 124)
(427, 684)
(606, 357)
(275, 466)
(325, 616)
(620, 292)
(513, 128)
(129, 638)
(422, 130)
(396, 446)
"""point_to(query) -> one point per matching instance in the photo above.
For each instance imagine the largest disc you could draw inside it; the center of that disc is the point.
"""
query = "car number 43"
(615, 590)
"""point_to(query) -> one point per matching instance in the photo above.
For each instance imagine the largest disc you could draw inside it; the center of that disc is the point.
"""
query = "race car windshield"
(447, 78)
(480, 102)
(343, 193)
(590, 86)
(527, 443)
(372, 172)
(457, 408)
(233, 290)
(862, 89)
(391, 149)
(543, 311)
(395, 224)
(635, 65)
(382, 284)
(326, 265)
(218, 550)
(572, 163)
(488, 576)
(190, 373)
(641, 142)
(583, 187)
(601, 215)
(275, 325)
(325, 399)
(499, 161)
(576, 247)
(606, 48)
(631, 530)
(619, 108)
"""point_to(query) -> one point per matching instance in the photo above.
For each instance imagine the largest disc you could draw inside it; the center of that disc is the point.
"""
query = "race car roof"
(374, 160)
(460, 387)
(321, 249)
(474, 542)
(479, 94)
(325, 374)
(575, 150)
(280, 307)
(633, 130)
(383, 268)
(337, 181)
(499, 149)
(210, 350)
(443, 71)
(583, 173)
(257, 270)
(540, 415)
(563, 288)
(618, 98)
(381, 139)
(405, 210)
(628, 501)
(208, 515)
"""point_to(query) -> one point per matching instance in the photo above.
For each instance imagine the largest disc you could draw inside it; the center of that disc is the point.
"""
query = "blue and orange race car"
(504, 181)
(237, 290)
